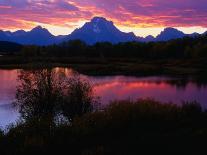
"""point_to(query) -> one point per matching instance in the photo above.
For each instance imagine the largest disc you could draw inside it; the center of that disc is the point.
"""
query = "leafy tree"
(38, 94)
(45, 93)
(79, 98)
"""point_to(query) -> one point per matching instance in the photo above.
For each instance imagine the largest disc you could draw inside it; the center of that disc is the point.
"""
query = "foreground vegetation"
(124, 127)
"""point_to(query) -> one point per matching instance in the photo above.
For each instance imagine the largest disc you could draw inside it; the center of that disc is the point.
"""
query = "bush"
(79, 98)
(124, 127)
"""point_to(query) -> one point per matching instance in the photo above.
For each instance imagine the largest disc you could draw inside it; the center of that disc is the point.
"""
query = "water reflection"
(115, 87)
(160, 88)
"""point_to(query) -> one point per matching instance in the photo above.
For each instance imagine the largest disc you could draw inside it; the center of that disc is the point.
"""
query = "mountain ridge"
(98, 29)
(101, 30)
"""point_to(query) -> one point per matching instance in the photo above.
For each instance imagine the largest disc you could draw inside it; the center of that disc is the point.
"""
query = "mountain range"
(97, 30)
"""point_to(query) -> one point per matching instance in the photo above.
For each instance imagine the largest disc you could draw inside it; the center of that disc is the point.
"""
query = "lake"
(110, 88)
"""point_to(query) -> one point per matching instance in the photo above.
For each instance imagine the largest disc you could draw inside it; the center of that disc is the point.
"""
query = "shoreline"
(112, 66)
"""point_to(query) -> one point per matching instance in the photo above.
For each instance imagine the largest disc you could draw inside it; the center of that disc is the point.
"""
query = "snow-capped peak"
(96, 29)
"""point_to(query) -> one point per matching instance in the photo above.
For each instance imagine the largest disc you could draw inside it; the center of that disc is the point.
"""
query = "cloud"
(67, 6)
(125, 13)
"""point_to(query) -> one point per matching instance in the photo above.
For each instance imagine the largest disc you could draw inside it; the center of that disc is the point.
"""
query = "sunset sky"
(143, 17)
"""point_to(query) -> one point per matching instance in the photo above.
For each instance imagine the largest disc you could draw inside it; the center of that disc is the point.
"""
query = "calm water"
(114, 87)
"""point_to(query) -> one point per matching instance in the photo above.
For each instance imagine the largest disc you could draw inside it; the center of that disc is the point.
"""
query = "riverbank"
(125, 127)
(112, 66)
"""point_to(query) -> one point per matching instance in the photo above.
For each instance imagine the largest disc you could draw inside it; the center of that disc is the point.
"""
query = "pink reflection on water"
(113, 88)
(7, 85)
(7, 95)
(109, 88)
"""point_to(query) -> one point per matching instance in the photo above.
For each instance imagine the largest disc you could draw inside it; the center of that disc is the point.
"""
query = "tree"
(30, 50)
(44, 93)
(37, 94)
(79, 98)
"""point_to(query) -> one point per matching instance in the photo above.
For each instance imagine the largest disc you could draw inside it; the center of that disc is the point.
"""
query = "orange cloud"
(131, 14)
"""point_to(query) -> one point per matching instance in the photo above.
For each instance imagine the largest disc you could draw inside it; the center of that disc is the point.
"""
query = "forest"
(179, 48)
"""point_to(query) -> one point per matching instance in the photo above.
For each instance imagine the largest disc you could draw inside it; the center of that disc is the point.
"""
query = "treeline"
(180, 48)
(9, 47)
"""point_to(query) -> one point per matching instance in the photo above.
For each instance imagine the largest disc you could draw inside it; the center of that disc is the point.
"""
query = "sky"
(143, 17)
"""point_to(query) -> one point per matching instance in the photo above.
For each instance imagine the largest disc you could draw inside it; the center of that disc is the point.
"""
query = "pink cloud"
(131, 13)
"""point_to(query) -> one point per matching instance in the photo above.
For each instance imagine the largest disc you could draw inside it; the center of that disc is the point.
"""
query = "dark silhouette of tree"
(38, 94)
(31, 50)
(45, 93)
(179, 48)
(79, 98)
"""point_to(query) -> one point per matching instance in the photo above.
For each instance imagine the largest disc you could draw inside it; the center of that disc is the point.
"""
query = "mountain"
(3, 36)
(19, 33)
(101, 30)
(149, 38)
(37, 36)
(9, 47)
(169, 34)
(97, 30)
(193, 35)
(172, 33)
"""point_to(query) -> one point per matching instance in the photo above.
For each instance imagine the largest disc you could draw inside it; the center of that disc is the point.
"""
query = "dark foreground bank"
(125, 127)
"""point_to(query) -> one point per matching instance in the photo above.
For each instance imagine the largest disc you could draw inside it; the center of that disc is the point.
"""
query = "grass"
(124, 127)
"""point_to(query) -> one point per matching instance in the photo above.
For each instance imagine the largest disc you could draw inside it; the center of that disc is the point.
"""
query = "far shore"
(111, 66)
